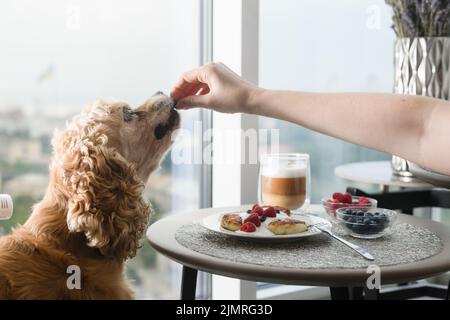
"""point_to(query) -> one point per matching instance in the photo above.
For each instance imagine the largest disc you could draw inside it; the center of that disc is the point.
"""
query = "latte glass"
(284, 180)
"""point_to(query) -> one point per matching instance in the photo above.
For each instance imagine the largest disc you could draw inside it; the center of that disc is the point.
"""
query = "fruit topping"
(253, 218)
(258, 210)
(270, 212)
(248, 227)
(255, 206)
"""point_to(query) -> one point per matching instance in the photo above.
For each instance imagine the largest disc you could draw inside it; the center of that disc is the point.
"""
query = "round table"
(377, 172)
(161, 236)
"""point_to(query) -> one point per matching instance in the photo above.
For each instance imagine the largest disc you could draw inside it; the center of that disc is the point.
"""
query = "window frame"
(235, 42)
(204, 286)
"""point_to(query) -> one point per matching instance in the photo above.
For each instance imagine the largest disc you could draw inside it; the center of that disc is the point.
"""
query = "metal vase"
(422, 67)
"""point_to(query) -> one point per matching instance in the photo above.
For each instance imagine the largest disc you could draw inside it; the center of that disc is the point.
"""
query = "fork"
(326, 228)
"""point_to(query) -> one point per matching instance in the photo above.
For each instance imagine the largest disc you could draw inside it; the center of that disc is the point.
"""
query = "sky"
(58, 55)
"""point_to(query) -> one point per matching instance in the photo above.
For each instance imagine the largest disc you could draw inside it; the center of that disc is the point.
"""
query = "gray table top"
(376, 172)
(161, 236)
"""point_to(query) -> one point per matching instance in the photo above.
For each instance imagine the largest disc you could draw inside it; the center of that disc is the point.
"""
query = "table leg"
(356, 293)
(340, 293)
(188, 283)
(371, 294)
(448, 291)
(384, 188)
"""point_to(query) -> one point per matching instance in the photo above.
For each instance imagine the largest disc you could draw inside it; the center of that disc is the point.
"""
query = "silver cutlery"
(326, 228)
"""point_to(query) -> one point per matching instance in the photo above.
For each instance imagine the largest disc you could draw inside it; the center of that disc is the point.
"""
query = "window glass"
(58, 56)
(325, 46)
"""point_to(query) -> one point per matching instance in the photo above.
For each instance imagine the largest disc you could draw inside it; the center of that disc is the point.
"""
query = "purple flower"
(421, 18)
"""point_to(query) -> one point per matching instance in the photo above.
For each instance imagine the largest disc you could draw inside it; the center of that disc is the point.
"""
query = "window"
(56, 57)
(325, 46)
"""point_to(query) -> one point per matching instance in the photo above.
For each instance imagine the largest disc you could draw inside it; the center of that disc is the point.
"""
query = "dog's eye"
(128, 114)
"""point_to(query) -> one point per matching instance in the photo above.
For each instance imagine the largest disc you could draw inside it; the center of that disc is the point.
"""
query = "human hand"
(213, 86)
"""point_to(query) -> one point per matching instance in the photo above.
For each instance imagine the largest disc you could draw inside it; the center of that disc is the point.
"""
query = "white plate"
(212, 222)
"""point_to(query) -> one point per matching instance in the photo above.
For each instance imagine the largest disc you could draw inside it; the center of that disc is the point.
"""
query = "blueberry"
(249, 211)
(368, 214)
(352, 220)
(361, 213)
(262, 218)
(348, 211)
(277, 210)
(377, 214)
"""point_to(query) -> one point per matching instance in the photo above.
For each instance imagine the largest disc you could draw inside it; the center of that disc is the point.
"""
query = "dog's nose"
(159, 93)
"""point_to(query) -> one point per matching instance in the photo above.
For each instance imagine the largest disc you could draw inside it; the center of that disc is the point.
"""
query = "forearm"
(390, 123)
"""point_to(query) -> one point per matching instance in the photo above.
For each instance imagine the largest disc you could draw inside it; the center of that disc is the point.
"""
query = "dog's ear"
(104, 199)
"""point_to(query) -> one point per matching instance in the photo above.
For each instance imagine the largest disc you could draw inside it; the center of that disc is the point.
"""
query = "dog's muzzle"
(162, 129)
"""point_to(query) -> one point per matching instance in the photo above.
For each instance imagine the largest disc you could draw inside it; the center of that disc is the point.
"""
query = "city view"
(53, 67)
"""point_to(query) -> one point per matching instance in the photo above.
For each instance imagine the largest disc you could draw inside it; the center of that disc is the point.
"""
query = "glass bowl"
(331, 207)
(366, 223)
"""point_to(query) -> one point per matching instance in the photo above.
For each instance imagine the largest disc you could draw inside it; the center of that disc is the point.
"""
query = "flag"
(47, 74)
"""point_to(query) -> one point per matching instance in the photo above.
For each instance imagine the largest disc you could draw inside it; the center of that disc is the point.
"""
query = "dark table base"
(189, 287)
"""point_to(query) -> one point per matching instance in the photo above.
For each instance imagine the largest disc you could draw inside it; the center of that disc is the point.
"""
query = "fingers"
(196, 89)
(189, 83)
(204, 89)
(196, 101)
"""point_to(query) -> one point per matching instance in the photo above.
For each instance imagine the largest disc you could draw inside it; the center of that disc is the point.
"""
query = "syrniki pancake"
(232, 222)
(287, 226)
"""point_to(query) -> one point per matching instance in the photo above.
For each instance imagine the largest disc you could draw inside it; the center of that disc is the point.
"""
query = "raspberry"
(270, 212)
(248, 227)
(363, 200)
(255, 206)
(338, 196)
(253, 218)
(258, 210)
(333, 204)
(348, 198)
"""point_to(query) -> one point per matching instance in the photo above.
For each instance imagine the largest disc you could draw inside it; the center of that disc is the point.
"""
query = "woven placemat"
(406, 244)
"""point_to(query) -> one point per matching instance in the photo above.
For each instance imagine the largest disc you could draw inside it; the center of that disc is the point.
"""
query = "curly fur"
(93, 214)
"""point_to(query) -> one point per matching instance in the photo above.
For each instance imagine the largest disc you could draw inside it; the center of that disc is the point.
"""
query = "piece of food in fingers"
(230, 221)
(287, 226)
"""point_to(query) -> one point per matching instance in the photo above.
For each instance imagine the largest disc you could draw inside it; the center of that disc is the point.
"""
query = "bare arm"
(415, 128)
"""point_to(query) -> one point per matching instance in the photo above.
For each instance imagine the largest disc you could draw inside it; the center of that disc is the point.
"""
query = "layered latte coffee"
(284, 186)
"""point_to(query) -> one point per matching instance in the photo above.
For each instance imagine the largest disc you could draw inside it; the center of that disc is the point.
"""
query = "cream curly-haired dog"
(93, 214)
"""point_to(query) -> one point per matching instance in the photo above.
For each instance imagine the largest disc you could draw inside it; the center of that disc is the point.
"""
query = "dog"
(93, 215)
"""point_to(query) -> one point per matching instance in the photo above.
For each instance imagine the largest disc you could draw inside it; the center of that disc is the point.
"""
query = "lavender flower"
(420, 18)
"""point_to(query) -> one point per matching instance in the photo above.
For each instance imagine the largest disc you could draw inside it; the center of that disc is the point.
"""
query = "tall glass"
(284, 180)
